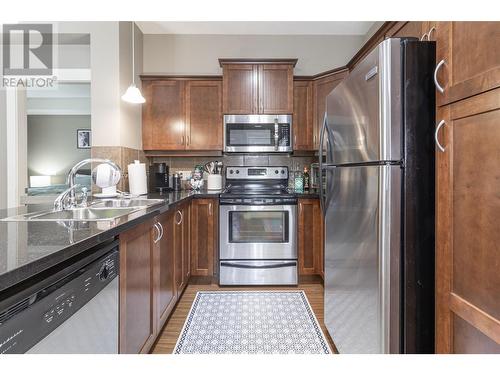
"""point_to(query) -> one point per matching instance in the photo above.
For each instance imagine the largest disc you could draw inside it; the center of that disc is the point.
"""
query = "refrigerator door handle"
(320, 154)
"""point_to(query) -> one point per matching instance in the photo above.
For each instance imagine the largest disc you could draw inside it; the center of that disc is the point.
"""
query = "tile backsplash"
(179, 163)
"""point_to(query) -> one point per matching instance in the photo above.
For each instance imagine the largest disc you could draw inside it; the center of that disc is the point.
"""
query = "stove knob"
(276, 171)
(282, 171)
(237, 171)
(231, 171)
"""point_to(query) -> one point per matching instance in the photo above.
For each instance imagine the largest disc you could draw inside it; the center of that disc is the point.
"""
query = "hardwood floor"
(168, 337)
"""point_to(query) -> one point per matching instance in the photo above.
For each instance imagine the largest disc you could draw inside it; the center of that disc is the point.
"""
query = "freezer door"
(363, 121)
(362, 249)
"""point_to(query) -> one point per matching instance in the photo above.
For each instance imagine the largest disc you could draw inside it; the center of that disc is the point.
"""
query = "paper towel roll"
(137, 180)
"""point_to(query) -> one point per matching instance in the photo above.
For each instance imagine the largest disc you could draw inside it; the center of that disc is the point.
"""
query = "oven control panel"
(256, 173)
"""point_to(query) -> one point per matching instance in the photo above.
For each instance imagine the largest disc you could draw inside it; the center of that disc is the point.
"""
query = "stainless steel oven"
(258, 133)
(258, 232)
(257, 228)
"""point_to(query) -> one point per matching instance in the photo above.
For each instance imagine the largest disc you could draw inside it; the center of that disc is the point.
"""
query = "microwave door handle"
(269, 265)
(276, 134)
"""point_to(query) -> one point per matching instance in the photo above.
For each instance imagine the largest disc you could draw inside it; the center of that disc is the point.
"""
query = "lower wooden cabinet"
(310, 237)
(182, 248)
(164, 270)
(137, 307)
(467, 217)
(154, 271)
(204, 239)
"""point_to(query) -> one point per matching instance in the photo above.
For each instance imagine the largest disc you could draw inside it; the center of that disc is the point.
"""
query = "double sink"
(108, 209)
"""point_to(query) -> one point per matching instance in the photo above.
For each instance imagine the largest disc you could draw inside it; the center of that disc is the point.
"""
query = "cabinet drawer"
(274, 272)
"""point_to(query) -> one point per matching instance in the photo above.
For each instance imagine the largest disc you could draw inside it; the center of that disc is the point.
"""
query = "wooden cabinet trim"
(476, 317)
(246, 61)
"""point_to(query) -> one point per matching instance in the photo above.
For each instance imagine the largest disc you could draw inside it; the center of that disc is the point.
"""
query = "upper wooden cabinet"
(321, 88)
(163, 114)
(471, 58)
(303, 131)
(257, 87)
(182, 114)
(405, 29)
(204, 115)
(239, 92)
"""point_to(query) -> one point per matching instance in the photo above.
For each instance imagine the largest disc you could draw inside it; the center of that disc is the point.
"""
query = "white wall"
(198, 54)
(52, 145)
(114, 123)
(3, 151)
(130, 114)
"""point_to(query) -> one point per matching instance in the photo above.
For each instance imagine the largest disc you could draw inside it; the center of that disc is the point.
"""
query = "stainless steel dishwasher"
(72, 308)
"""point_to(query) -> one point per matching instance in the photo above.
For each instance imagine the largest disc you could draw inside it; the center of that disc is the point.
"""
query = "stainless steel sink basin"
(76, 214)
(108, 209)
(119, 203)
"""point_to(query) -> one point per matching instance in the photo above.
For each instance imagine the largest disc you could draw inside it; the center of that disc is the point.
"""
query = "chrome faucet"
(69, 194)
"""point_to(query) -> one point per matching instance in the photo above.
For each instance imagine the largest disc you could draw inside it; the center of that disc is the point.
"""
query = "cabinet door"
(321, 88)
(467, 235)
(276, 89)
(239, 94)
(204, 228)
(471, 59)
(302, 116)
(310, 237)
(180, 257)
(186, 251)
(163, 115)
(137, 310)
(204, 115)
(165, 295)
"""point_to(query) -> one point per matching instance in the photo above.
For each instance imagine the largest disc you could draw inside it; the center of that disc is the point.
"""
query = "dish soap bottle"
(306, 179)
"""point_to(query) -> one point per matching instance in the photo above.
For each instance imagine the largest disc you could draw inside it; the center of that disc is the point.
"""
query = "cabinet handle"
(178, 222)
(429, 33)
(182, 139)
(436, 133)
(161, 231)
(158, 233)
(438, 66)
(187, 140)
(210, 209)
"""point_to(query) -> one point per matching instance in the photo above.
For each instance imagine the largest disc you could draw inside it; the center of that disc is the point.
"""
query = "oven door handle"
(270, 265)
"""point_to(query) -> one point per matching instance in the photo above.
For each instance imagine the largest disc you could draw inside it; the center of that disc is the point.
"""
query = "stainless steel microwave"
(258, 133)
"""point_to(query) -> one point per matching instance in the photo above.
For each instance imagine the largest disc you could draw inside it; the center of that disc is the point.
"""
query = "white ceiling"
(257, 28)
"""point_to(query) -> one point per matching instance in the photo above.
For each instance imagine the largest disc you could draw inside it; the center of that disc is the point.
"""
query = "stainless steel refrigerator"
(377, 155)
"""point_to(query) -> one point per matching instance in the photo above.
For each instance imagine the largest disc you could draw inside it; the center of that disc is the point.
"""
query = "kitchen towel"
(137, 180)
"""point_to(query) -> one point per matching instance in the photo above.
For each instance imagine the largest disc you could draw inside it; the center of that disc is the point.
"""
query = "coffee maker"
(158, 178)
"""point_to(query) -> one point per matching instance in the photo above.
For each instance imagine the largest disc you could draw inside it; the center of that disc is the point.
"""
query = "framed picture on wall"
(83, 138)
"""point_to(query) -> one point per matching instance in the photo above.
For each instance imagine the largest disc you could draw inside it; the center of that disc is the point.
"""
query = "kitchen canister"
(214, 182)
(137, 179)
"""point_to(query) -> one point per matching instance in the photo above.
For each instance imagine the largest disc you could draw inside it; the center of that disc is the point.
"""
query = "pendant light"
(133, 94)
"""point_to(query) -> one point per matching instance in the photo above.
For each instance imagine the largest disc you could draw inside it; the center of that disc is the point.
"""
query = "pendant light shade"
(133, 94)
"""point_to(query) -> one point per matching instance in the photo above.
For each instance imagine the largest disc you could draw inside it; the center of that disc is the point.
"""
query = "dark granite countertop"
(30, 247)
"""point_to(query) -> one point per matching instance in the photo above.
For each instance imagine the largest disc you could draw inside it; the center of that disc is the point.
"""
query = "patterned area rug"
(251, 322)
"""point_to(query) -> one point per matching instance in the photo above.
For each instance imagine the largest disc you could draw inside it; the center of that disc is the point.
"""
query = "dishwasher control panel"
(29, 320)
